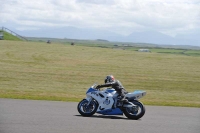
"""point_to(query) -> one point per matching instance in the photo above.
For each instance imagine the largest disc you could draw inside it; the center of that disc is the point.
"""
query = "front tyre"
(87, 110)
(134, 113)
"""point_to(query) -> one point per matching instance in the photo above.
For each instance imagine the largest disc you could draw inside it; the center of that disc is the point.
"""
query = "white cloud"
(121, 16)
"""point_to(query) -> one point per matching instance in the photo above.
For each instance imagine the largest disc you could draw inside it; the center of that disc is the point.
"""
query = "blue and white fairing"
(106, 99)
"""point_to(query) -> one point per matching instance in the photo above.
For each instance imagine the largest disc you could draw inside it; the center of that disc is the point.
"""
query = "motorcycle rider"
(110, 81)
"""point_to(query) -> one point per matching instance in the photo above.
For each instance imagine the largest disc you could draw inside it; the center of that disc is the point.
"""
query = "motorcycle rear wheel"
(134, 113)
(87, 110)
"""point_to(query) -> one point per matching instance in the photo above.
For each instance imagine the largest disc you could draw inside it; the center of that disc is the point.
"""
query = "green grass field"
(37, 70)
(8, 36)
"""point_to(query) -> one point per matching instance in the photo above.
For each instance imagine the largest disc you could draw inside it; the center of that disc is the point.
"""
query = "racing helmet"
(109, 78)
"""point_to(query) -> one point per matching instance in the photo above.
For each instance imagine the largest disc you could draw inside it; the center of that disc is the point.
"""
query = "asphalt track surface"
(32, 116)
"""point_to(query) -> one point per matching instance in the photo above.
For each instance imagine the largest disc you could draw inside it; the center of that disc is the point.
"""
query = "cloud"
(121, 16)
(98, 2)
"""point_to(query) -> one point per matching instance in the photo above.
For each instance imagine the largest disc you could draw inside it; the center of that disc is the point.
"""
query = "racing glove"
(98, 86)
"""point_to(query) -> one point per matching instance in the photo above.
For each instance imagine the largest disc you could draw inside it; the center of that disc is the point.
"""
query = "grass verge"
(43, 71)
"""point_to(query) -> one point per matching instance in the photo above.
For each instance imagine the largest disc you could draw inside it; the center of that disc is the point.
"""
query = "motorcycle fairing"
(104, 98)
(90, 90)
(115, 111)
(110, 90)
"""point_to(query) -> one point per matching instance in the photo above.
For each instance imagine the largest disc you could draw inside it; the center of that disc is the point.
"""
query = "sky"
(171, 17)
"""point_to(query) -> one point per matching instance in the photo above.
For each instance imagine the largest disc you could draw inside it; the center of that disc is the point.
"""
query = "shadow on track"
(105, 117)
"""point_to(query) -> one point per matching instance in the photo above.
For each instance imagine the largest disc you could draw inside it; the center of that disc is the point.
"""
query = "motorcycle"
(106, 102)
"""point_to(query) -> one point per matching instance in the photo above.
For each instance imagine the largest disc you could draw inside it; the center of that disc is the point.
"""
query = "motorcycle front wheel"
(87, 110)
(134, 113)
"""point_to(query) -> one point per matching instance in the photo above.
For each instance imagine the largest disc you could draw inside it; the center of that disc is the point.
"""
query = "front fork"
(89, 99)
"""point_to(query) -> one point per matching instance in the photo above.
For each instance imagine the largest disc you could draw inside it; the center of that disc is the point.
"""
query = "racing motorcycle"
(107, 102)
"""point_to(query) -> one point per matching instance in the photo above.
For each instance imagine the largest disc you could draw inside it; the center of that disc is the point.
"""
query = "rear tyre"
(87, 110)
(134, 113)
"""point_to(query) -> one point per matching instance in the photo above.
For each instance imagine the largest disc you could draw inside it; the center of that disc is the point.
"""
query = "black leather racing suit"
(117, 85)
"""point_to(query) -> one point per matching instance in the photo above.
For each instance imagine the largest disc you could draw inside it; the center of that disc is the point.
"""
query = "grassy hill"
(37, 70)
(8, 36)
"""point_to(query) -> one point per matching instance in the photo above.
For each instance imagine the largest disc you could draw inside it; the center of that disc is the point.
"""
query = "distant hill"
(101, 40)
(150, 37)
(135, 37)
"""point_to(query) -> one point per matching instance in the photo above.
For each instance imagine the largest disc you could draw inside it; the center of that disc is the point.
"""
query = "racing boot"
(124, 100)
(121, 101)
